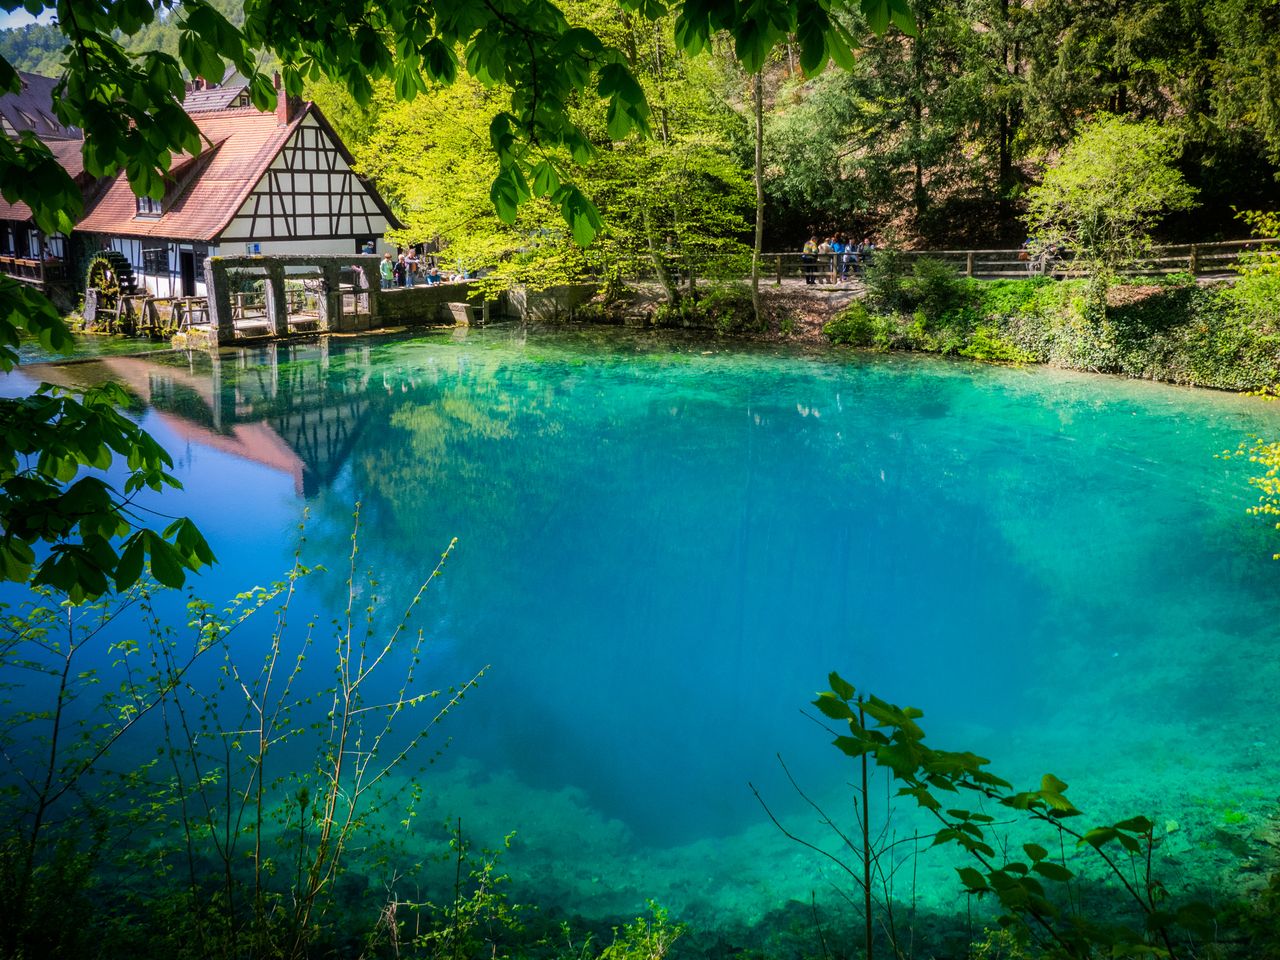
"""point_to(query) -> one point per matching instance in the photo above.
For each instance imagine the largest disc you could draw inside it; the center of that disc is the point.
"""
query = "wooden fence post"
(968, 264)
(1193, 262)
(778, 281)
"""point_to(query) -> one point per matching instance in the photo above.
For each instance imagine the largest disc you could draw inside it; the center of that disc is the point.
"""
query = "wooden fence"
(1196, 259)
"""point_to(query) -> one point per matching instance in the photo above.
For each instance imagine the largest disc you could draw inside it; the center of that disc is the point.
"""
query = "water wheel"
(112, 276)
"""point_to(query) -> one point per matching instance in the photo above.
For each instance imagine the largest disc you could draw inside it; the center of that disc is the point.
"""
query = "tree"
(129, 107)
(885, 140)
(1100, 201)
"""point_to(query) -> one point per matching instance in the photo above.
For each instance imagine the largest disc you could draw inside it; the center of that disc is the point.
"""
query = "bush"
(855, 327)
(987, 345)
(884, 277)
(726, 308)
(1170, 328)
(935, 287)
(896, 286)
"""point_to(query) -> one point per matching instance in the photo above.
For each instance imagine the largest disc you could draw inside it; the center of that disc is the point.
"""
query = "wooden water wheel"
(112, 276)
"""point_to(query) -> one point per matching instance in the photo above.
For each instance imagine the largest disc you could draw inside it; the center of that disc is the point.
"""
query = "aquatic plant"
(473, 922)
(236, 835)
(1035, 890)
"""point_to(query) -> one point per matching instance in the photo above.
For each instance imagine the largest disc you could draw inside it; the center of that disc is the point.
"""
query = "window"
(147, 207)
(155, 261)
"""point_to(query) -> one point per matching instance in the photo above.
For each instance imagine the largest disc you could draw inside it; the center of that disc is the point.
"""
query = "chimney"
(286, 106)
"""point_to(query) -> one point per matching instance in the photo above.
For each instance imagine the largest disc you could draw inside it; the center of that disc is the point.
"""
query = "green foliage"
(896, 283)
(986, 344)
(645, 938)
(1176, 329)
(97, 541)
(1100, 201)
(853, 147)
(856, 327)
(938, 135)
(1035, 891)
(725, 309)
(478, 916)
(241, 861)
(1256, 294)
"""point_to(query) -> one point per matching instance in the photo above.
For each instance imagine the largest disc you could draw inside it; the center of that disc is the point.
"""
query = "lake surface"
(664, 546)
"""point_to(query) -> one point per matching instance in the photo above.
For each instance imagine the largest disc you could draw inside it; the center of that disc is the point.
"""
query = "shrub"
(726, 308)
(884, 279)
(855, 327)
(935, 287)
(986, 344)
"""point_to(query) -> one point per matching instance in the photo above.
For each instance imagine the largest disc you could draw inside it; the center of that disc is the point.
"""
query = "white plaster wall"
(300, 248)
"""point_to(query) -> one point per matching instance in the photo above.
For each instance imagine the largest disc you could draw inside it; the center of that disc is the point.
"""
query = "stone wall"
(554, 304)
(423, 304)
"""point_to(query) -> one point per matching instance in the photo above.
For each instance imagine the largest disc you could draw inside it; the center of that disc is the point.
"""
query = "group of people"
(407, 270)
(838, 255)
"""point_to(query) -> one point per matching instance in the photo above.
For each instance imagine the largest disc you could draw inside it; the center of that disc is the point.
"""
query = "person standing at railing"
(824, 254)
(809, 259)
(849, 259)
(387, 271)
(837, 257)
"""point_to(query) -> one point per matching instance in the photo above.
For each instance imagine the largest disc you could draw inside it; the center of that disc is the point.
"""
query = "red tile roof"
(243, 144)
(67, 153)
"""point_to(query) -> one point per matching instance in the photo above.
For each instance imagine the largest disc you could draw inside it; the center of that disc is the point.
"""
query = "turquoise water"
(664, 547)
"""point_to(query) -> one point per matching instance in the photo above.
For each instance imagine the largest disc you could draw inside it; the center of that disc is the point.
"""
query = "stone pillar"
(215, 280)
(371, 278)
(223, 406)
(272, 357)
(276, 303)
(331, 316)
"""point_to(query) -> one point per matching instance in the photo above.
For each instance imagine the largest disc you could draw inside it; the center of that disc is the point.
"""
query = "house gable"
(309, 191)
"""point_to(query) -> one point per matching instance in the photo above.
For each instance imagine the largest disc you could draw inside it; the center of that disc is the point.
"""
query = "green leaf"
(166, 566)
(129, 569)
(1052, 871)
(1052, 784)
(1135, 825)
(841, 687)
(1097, 837)
(852, 747)
(902, 17)
(505, 197)
(877, 13)
(1035, 851)
(833, 707)
(811, 34)
(973, 881)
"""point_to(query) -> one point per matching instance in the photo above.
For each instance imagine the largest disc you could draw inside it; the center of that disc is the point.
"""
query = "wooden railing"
(37, 272)
(1196, 259)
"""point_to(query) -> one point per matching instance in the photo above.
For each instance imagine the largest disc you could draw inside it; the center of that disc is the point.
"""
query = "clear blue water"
(664, 547)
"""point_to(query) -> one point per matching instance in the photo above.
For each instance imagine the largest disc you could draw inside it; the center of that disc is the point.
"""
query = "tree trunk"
(919, 198)
(657, 256)
(758, 92)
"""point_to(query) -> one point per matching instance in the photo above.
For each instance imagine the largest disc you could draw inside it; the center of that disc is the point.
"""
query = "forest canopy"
(934, 137)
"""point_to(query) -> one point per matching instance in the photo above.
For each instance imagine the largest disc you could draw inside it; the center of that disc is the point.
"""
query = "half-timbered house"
(277, 182)
(25, 251)
(270, 183)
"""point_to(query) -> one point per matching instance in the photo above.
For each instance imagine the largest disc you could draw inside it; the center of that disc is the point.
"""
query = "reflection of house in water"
(283, 405)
